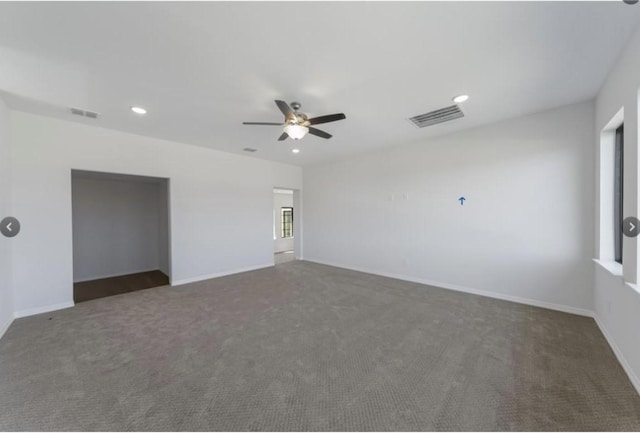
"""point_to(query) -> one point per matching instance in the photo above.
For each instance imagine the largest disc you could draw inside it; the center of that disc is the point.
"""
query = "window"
(287, 222)
(618, 216)
(611, 195)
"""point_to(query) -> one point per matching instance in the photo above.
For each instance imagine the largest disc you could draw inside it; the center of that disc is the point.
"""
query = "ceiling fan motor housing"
(297, 124)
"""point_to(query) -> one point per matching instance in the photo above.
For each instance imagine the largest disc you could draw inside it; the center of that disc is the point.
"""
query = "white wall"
(221, 204)
(525, 232)
(298, 247)
(282, 200)
(617, 304)
(116, 227)
(6, 299)
(164, 228)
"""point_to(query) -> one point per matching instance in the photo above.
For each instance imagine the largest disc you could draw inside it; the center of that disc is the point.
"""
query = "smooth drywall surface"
(298, 247)
(6, 299)
(164, 246)
(281, 200)
(221, 204)
(617, 305)
(524, 231)
(116, 227)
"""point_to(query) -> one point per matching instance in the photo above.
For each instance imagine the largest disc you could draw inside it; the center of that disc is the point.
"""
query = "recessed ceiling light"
(139, 110)
(460, 98)
(295, 151)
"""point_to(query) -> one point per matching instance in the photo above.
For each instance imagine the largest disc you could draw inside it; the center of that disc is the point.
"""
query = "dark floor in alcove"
(90, 290)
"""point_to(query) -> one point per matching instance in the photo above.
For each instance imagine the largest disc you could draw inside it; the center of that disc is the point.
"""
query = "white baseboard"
(5, 326)
(619, 354)
(453, 287)
(221, 274)
(43, 309)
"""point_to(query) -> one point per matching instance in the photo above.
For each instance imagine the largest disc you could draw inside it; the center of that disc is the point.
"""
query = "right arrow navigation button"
(630, 226)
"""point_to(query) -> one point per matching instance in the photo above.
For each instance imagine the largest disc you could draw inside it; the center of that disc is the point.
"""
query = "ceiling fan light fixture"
(297, 124)
(295, 151)
(296, 131)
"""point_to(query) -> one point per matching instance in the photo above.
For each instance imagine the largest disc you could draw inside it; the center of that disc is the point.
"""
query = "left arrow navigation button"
(10, 227)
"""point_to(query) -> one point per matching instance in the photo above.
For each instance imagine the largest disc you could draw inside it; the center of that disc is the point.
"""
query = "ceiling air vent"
(437, 116)
(85, 113)
(249, 150)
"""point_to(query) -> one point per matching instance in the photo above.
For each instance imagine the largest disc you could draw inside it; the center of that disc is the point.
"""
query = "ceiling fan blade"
(283, 136)
(285, 109)
(319, 133)
(262, 123)
(326, 118)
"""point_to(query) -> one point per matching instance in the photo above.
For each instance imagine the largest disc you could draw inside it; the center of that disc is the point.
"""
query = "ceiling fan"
(297, 124)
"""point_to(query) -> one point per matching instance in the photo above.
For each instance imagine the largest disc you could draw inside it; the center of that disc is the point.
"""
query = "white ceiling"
(203, 68)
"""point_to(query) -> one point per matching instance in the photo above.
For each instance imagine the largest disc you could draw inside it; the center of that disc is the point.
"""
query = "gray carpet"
(302, 346)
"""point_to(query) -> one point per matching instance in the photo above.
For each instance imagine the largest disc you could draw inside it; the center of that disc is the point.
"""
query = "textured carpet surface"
(303, 346)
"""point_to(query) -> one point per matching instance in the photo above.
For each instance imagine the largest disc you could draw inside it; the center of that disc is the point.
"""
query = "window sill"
(611, 266)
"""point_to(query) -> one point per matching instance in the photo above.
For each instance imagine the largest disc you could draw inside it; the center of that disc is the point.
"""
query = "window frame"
(618, 193)
(286, 227)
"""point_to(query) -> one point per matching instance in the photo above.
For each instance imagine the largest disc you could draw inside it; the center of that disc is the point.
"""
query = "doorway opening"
(121, 239)
(285, 225)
